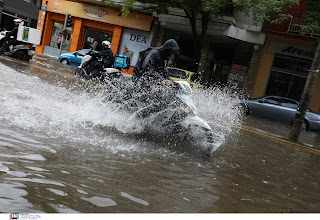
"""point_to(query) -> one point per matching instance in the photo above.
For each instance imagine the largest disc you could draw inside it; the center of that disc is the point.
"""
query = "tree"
(312, 26)
(206, 10)
(312, 17)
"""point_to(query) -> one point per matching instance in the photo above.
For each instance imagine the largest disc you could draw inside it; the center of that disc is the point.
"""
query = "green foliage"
(312, 17)
(264, 10)
(125, 5)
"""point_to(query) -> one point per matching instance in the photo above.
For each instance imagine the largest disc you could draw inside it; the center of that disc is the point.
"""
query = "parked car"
(194, 79)
(73, 58)
(279, 109)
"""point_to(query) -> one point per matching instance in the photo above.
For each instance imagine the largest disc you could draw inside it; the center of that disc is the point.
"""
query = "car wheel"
(64, 61)
(305, 125)
(244, 109)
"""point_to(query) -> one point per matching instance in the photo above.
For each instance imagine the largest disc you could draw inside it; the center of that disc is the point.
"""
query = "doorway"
(91, 36)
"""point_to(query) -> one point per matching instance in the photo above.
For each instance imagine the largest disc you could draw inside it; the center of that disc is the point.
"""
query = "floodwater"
(62, 150)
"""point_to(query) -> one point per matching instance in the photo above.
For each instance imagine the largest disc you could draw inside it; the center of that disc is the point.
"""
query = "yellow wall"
(314, 104)
(263, 73)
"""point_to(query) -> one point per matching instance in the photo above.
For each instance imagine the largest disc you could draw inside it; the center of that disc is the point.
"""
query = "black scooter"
(21, 50)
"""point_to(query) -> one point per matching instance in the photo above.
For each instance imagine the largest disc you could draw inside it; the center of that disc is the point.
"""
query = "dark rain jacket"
(107, 57)
(151, 61)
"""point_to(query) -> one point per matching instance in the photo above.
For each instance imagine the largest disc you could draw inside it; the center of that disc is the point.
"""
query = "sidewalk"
(279, 138)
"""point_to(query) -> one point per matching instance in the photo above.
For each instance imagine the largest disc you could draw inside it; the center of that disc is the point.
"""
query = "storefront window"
(58, 29)
(288, 77)
(291, 65)
(91, 36)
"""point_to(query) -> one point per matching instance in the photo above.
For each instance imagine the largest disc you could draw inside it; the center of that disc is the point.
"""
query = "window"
(57, 29)
(289, 103)
(272, 100)
(92, 35)
(288, 76)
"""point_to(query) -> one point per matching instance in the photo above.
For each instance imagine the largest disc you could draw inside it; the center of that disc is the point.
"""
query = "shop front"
(90, 24)
(283, 71)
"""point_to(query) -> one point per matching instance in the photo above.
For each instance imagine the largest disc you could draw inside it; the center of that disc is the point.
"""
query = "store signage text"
(95, 12)
(295, 51)
(238, 69)
(138, 38)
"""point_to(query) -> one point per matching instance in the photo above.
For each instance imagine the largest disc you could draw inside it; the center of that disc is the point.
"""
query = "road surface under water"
(62, 150)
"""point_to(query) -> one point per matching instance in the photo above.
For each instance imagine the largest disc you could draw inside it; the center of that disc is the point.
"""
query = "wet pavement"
(62, 150)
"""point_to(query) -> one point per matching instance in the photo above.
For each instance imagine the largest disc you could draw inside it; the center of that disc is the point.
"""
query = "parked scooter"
(22, 51)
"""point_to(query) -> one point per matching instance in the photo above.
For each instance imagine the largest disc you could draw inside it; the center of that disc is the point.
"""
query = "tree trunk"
(204, 48)
(200, 51)
(305, 98)
(193, 22)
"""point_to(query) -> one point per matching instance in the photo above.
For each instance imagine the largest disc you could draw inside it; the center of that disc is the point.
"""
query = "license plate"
(100, 59)
(29, 52)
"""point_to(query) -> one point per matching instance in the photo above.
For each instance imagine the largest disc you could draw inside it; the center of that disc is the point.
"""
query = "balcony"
(295, 27)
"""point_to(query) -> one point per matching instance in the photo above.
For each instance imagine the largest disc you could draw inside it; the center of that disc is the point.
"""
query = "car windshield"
(82, 52)
(177, 73)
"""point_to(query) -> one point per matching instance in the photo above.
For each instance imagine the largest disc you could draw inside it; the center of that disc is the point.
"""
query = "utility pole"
(305, 98)
(1, 9)
(64, 28)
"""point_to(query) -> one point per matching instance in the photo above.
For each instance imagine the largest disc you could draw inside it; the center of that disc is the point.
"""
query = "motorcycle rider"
(11, 36)
(151, 66)
(107, 59)
(149, 70)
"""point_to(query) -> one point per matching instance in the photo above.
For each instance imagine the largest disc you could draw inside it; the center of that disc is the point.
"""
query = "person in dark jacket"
(11, 37)
(151, 66)
(107, 59)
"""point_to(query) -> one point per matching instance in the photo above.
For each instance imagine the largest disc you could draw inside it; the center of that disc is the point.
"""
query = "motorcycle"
(168, 111)
(91, 62)
(22, 51)
(157, 108)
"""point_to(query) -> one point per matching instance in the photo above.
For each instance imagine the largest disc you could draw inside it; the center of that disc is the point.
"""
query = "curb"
(279, 138)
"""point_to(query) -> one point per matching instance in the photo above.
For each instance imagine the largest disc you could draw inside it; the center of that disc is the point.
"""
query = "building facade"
(26, 10)
(228, 48)
(286, 58)
(92, 23)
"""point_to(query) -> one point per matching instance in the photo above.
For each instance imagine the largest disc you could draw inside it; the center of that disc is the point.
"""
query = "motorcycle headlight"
(186, 109)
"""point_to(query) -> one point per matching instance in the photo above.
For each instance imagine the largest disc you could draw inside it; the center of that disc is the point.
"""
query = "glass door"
(91, 36)
(56, 33)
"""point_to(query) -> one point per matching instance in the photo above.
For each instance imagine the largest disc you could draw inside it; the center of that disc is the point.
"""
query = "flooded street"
(62, 150)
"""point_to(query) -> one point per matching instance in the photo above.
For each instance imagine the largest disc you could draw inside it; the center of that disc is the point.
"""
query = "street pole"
(64, 28)
(305, 98)
(1, 9)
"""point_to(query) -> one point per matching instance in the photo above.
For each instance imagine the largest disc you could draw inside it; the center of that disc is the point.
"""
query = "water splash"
(76, 115)
(218, 106)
